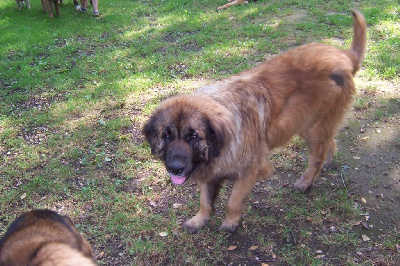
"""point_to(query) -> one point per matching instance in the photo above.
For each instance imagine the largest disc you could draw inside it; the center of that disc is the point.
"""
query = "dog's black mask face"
(183, 140)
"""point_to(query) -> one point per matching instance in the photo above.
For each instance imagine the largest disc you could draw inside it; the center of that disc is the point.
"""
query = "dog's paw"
(229, 226)
(328, 164)
(301, 185)
(193, 225)
(191, 229)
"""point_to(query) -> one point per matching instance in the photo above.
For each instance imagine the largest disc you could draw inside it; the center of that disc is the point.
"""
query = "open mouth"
(177, 180)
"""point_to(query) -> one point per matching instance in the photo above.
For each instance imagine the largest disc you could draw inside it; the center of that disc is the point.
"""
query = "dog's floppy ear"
(150, 132)
(220, 132)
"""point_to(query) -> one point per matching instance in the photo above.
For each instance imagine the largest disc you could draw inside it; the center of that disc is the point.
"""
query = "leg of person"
(82, 7)
(95, 4)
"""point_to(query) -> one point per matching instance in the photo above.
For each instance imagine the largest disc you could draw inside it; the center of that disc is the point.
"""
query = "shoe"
(96, 14)
(80, 9)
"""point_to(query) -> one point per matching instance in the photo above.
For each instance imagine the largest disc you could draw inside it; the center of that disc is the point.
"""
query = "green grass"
(75, 91)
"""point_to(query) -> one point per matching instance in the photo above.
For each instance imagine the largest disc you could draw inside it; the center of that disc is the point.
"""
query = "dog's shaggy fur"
(227, 129)
(49, 5)
(43, 237)
(21, 2)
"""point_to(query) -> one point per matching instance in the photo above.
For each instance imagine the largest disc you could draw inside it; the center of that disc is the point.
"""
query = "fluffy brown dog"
(47, 6)
(227, 129)
(234, 3)
(43, 237)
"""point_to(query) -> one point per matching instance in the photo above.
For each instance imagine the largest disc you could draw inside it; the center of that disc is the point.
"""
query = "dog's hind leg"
(28, 5)
(320, 147)
(208, 192)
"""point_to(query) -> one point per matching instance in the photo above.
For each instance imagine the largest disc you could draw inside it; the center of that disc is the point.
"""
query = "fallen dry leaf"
(100, 255)
(365, 225)
(364, 200)
(163, 234)
(253, 247)
(365, 238)
(356, 157)
(176, 205)
(230, 248)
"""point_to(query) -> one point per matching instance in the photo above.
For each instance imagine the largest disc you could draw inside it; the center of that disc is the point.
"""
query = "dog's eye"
(167, 135)
(194, 136)
(191, 137)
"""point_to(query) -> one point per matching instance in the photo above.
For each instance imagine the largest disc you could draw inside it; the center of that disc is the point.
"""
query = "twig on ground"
(344, 183)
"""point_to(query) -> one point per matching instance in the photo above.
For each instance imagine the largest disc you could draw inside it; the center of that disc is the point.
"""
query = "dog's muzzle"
(178, 162)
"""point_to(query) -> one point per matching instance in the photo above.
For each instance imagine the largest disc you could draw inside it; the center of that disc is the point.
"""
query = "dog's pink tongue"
(177, 180)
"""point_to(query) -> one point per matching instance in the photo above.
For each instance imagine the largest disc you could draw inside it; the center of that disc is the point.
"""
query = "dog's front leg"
(46, 7)
(18, 4)
(56, 7)
(208, 192)
(241, 189)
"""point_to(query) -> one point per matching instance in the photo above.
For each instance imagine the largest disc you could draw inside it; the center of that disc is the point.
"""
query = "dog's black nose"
(175, 168)
(176, 171)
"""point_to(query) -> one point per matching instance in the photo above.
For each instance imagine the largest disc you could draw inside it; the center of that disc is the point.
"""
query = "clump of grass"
(362, 103)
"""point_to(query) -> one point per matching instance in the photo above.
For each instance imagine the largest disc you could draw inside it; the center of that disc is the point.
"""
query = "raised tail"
(359, 39)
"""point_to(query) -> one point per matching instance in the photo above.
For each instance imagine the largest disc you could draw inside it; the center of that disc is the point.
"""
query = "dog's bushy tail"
(359, 42)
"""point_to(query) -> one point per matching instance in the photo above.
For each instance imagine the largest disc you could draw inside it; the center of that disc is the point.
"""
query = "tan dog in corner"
(234, 3)
(227, 129)
(43, 237)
